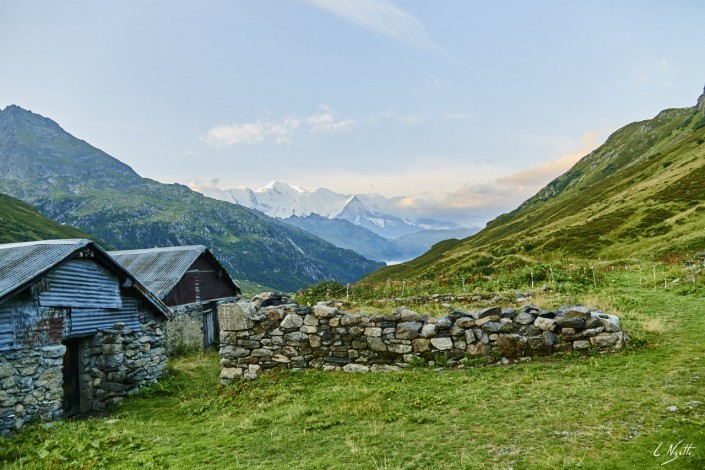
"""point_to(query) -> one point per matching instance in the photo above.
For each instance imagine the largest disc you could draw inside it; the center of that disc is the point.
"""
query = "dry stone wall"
(257, 335)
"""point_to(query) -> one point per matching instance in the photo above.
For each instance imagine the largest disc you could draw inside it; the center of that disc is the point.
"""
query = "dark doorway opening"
(72, 386)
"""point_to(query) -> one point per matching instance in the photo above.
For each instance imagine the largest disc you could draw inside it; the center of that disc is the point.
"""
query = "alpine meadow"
(352, 234)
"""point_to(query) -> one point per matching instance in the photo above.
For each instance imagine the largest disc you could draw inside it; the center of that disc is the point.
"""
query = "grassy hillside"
(20, 222)
(604, 411)
(640, 196)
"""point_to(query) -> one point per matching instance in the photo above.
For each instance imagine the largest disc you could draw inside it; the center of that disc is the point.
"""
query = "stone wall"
(116, 362)
(30, 386)
(255, 336)
(186, 329)
(113, 363)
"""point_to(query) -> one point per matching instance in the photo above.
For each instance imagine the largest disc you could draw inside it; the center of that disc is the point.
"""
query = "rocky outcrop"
(290, 336)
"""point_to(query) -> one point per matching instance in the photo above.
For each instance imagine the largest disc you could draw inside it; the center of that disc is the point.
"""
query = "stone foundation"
(30, 386)
(113, 364)
(290, 336)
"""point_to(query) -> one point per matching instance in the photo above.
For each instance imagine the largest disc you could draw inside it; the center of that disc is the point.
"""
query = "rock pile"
(265, 335)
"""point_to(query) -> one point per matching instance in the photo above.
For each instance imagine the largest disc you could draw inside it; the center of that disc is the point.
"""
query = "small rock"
(442, 344)
(356, 368)
(672, 409)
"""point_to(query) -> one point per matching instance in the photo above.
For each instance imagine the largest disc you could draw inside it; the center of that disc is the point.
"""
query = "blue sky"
(465, 108)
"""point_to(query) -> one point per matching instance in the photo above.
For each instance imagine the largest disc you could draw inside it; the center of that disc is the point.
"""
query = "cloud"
(466, 191)
(280, 131)
(383, 17)
(227, 135)
(325, 122)
(539, 176)
(482, 200)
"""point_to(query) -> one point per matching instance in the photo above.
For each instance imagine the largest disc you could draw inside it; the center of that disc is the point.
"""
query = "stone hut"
(77, 331)
(191, 282)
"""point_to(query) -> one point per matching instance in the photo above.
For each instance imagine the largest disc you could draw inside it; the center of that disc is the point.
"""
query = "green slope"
(20, 222)
(81, 186)
(640, 196)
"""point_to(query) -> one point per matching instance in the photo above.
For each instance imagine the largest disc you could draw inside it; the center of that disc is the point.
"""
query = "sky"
(462, 108)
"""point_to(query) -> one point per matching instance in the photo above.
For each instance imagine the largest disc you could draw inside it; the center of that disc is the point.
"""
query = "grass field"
(606, 411)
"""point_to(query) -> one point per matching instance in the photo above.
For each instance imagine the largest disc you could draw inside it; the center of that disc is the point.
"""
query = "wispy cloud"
(281, 131)
(325, 121)
(385, 18)
(540, 175)
(474, 199)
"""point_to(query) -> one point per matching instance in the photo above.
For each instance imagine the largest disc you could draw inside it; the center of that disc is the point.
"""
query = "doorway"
(211, 331)
(71, 372)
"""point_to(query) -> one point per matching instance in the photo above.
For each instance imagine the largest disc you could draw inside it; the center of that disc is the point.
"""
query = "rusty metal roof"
(160, 269)
(22, 264)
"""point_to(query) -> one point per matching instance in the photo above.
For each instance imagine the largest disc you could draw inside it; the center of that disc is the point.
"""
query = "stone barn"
(191, 282)
(77, 331)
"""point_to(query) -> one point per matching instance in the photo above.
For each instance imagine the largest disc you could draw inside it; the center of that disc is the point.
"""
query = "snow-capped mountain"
(284, 200)
(388, 226)
(372, 211)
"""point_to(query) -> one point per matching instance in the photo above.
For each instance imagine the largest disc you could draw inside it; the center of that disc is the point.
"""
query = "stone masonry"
(186, 329)
(30, 386)
(116, 362)
(256, 336)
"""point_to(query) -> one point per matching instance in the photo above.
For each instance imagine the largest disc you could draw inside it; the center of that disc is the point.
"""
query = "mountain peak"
(281, 187)
(701, 102)
(17, 114)
(35, 145)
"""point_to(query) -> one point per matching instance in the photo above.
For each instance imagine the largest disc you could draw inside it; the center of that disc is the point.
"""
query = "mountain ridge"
(76, 184)
(283, 200)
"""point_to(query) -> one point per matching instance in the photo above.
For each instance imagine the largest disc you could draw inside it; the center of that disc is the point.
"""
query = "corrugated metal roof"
(22, 264)
(160, 269)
